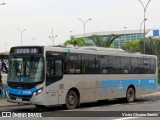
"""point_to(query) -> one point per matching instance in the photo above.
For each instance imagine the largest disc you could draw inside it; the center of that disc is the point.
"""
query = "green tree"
(109, 40)
(76, 42)
(97, 40)
(134, 46)
(152, 46)
(104, 42)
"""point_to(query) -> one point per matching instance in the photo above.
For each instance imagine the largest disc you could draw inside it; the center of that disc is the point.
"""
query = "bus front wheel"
(71, 100)
(130, 95)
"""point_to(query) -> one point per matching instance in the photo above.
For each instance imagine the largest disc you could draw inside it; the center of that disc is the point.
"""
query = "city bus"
(46, 75)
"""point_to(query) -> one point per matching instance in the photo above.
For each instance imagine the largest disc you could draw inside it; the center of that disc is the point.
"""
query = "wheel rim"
(131, 95)
(71, 99)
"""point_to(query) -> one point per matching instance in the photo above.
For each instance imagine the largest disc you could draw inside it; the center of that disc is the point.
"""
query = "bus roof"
(97, 51)
(92, 50)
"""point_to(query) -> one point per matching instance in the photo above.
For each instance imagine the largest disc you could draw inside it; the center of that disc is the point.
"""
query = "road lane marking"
(126, 118)
(71, 110)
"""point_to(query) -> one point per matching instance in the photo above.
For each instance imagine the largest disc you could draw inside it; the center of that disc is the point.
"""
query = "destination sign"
(25, 50)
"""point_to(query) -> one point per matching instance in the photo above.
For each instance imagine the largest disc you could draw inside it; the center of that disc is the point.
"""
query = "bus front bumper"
(37, 100)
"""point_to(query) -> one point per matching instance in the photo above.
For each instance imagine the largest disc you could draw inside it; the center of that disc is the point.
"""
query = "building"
(130, 35)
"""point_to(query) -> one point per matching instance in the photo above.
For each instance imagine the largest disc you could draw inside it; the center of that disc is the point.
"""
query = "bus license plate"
(19, 99)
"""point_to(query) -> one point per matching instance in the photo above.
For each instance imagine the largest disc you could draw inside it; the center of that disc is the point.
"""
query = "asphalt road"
(110, 110)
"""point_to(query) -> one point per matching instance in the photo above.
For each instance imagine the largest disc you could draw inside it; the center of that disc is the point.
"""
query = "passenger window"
(102, 64)
(153, 66)
(58, 67)
(73, 64)
(146, 66)
(88, 64)
(125, 65)
(54, 67)
(114, 65)
(135, 67)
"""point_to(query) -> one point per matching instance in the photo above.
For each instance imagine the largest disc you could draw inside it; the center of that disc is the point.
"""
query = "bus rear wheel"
(71, 100)
(130, 95)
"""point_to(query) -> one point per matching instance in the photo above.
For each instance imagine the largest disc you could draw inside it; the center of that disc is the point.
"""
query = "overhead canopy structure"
(4, 54)
(125, 35)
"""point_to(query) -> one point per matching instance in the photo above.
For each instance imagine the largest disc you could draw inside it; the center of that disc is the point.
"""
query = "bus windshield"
(26, 69)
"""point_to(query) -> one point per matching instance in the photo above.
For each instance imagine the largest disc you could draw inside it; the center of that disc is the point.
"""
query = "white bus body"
(71, 76)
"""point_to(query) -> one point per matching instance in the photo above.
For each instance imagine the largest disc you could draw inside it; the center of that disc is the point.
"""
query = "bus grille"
(24, 98)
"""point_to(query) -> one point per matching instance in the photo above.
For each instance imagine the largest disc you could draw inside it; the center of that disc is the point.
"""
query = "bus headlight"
(37, 92)
(34, 94)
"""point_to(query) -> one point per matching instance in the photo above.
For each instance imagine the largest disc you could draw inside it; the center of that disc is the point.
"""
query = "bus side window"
(58, 67)
(54, 67)
(50, 67)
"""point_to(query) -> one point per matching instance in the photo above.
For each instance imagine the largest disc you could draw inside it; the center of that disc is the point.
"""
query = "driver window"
(27, 68)
(50, 67)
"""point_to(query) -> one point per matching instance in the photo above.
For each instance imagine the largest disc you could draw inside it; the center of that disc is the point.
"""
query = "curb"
(9, 105)
(12, 105)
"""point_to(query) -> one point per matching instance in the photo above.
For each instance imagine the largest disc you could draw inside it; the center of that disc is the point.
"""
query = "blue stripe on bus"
(122, 85)
(21, 92)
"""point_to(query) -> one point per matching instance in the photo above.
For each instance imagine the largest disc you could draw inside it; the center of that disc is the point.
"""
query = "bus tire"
(71, 100)
(130, 95)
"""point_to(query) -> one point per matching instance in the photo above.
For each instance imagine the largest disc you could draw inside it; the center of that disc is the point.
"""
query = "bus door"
(54, 73)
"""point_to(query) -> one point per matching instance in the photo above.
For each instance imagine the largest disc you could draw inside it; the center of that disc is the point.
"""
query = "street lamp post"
(141, 24)
(71, 32)
(144, 8)
(5, 46)
(53, 37)
(21, 32)
(124, 35)
(125, 30)
(33, 40)
(84, 25)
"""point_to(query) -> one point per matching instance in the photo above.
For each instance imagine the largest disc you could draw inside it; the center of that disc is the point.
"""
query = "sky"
(38, 17)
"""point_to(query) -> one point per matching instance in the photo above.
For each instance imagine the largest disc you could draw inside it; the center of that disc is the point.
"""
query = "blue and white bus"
(47, 75)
